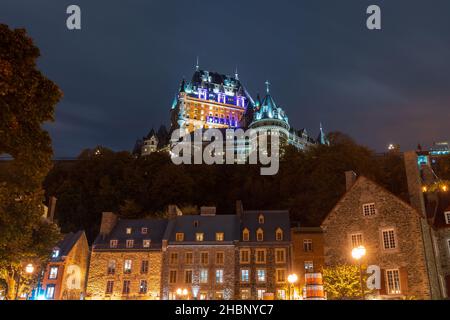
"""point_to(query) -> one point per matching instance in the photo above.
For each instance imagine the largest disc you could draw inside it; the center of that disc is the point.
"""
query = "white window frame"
(130, 243)
(447, 217)
(284, 255)
(371, 209)
(146, 243)
(242, 261)
(394, 234)
(357, 242)
(388, 289)
(113, 243)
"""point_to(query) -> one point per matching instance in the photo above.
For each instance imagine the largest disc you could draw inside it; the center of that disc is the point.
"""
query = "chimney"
(173, 211)
(109, 220)
(414, 180)
(207, 211)
(239, 208)
(52, 205)
(350, 178)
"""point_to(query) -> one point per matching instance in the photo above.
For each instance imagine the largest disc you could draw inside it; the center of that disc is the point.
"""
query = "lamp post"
(182, 293)
(28, 269)
(292, 279)
(358, 253)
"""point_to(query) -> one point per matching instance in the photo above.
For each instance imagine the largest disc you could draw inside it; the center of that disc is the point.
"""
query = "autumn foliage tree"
(27, 100)
(343, 282)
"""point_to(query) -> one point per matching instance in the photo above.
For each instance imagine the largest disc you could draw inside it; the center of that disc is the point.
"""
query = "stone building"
(263, 255)
(199, 256)
(64, 277)
(307, 252)
(126, 259)
(391, 230)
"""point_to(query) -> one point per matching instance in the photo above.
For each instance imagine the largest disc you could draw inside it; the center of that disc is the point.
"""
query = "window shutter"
(383, 290)
(404, 280)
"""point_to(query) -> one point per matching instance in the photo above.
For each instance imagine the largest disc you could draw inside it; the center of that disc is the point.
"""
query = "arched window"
(245, 235)
(279, 234)
(259, 235)
(261, 219)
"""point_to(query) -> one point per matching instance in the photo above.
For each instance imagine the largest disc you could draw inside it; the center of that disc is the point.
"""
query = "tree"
(27, 100)
(342, 282)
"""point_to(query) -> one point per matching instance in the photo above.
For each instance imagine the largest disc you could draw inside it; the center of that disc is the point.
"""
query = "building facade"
(64, 277)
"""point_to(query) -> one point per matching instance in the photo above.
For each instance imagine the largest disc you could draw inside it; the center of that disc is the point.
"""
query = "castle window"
(130, 243)
(447, 217)
(389, 241)
(393, 281)
(144, 230)
(279, 234)
(357, 240)
(369, 209)
(261, 219)
(219, 236)
(179, 236)
(307, 245)
(113, 243)
(128, 231)
(245, 235)
(259, 235)
(146, 243)
(199, 236)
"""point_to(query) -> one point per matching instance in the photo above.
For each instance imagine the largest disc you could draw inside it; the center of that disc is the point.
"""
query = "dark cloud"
(120, 72)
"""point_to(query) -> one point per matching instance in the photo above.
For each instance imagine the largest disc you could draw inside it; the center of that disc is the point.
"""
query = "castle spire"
(197, 67)
(267, 86)
(236, 75)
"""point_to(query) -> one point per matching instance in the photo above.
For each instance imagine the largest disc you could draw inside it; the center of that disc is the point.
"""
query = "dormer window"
(245, 235)
(144, 230)
(113, 243)
(447, 217)
(199, 236)
(219, 236)
(128, 231)
(221, 98)
(202, 94)
(369, 209)
(240, 101)
(179, 236)
(55, 253)
(279, 234)
(130, 243)
(196, 224)
(259, 235)
(146, 243)
(261, 219)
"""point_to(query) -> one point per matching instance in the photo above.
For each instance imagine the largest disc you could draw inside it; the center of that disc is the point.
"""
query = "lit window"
(113, 243)
(393, 281)
(280, 255)
(144, 266)
(245, 235)
(188, 276)
(220, 257)
(219, 295)
(369, 209)
(245, 294)
(357, 240)
(146, 243)
(130, 243)
(55, 253)
(143, 287)
(172, 276)
(261, 219)
(179, 236)
(245, 275)
(219, 236)
(144, 230)
(203, 275)
(173, 258)
(245, 255)
(126, 287)
(188, 258)
(389, 239)
(111, 267)
(53, 274)
(219, 276)
(259, 235)
(260, 255)
(204, 258)
(109, 287)
(261, 275)
(202, 94)
(281, 275)
(199, 236)
(279, 235)
(261, 293)
(309, 266)
(127, 266)
(447, 217)
(50, 291)
(128, 230)
(281, 294)
(307, 245)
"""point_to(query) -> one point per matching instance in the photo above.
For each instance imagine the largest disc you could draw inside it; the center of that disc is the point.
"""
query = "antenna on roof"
(267, 86)
(196, 65)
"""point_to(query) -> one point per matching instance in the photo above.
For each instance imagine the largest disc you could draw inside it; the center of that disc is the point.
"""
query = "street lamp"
(358, 253)
(182, 292)
(28, 269)
(292, 279)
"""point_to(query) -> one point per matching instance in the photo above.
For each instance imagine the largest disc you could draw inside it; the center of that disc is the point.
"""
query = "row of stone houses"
(249, 254)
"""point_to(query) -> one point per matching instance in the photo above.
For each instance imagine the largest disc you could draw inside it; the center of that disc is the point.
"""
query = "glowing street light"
(29, 268)
(182, 292)
(292, 279)
(358, 253)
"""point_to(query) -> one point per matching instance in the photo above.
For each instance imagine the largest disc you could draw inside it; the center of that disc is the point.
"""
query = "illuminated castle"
(213, 100)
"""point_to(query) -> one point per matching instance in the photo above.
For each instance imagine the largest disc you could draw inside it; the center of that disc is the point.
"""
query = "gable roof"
(66, 244)
(358, 181)
(436, 205)
(273, 219)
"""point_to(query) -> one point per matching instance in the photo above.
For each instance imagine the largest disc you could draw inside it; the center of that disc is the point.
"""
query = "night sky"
(120, 72)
